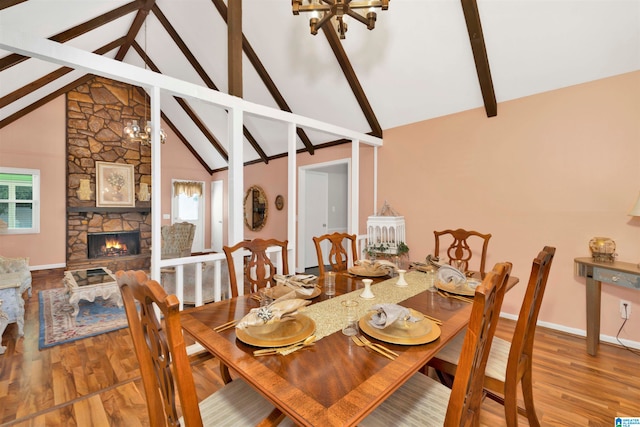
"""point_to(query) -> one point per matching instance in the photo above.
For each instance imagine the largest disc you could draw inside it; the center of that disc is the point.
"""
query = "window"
(19, 200)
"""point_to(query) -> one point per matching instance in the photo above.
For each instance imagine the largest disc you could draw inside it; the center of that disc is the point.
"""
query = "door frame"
(302, 201)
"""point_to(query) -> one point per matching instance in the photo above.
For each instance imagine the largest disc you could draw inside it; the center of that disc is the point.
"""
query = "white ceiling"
(415, 65)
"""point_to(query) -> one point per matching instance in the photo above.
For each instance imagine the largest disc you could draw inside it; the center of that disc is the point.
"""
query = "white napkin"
(281, 309)
(447, 274)
(302, 283)
(386, 314)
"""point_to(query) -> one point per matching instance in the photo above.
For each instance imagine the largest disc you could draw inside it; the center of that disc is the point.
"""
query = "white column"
(292, 196)
(235, 188)
(156, 184)
(353, 226)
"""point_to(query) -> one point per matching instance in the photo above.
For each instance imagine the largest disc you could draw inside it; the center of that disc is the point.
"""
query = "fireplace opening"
(113, 244)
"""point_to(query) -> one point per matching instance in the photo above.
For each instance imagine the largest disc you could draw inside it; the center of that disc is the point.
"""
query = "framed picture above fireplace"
(115, 185)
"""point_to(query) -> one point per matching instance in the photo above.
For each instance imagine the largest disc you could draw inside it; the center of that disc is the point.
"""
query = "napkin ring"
(265, 314)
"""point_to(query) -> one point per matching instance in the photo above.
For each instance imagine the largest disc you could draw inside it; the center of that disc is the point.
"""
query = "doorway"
(323, 200)
(217, 216)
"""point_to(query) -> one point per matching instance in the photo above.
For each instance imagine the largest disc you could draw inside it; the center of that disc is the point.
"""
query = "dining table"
(333, 382)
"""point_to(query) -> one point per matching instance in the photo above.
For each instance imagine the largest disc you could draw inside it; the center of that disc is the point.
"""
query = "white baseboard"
(46, 266)
(579, 332)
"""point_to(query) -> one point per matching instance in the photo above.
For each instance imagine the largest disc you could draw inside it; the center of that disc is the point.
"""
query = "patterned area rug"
(57, 325)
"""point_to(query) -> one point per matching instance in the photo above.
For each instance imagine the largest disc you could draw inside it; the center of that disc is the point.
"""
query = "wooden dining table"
(334, 382)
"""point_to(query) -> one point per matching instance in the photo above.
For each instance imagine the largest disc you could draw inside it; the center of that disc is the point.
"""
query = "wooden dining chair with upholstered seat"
(165, 368)
(510, 362)
(459, 249)
(258, 268)
(338, 255)
(423, 401)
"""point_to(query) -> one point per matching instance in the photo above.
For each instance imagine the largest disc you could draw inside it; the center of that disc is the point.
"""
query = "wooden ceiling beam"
(14, 58)
(138, 20)
(352, 79)
(202, 73)
(265, 77)
(54, 75)
(476, 37)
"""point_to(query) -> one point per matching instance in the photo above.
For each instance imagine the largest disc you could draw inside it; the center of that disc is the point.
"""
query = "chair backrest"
(177, 239)
(522, 343)
(459, 248)
(258, 269)
(466, 393)
(338, 255)
(160, 350)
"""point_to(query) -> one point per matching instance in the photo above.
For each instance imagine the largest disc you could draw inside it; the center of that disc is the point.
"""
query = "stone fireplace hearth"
(97, 112)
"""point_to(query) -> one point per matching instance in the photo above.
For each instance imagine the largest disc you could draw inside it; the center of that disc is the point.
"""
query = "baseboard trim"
(46, 267)
(579, 332)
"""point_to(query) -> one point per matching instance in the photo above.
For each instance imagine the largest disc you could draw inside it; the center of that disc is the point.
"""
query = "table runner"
(329, 317)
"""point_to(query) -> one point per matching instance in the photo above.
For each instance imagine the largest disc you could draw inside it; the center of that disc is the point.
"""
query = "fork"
(360, 343)
(380, 346)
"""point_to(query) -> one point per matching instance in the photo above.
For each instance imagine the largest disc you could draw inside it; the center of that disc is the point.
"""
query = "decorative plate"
(360, 270)
(284, 333)
(404, 333)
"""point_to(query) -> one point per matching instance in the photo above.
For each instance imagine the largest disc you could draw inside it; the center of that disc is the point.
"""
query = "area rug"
(57, 325)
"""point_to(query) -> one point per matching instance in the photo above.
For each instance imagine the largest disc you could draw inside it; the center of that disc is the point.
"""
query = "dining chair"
(510, 363)
(165, 368)
(459, 248)
(258, 268)
(338, 254)
(423, 401)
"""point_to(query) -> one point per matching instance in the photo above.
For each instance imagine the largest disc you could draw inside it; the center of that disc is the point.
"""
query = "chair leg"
(224, 373)
(527, 392)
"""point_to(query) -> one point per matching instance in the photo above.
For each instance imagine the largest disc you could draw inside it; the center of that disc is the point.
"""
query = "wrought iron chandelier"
(323, 11)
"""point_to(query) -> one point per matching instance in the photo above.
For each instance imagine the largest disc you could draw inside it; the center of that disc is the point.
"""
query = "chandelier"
(133, 130)
(142, 135)
(337, 11)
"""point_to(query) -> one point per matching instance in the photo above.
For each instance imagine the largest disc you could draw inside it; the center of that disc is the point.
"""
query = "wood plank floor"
(95, 381)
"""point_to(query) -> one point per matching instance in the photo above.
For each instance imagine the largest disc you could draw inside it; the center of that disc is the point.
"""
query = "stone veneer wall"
(97, 113)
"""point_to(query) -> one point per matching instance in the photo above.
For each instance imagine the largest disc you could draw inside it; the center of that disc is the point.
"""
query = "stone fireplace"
(97, 112)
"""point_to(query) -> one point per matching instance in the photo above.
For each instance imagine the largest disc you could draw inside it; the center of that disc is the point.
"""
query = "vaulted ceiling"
(424, 59)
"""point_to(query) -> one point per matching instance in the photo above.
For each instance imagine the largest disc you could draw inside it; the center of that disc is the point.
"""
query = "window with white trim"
(19, 201)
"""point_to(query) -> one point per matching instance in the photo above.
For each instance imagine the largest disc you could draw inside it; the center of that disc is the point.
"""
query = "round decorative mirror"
(255, 208)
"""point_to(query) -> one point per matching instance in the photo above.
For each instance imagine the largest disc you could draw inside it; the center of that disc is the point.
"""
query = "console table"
(616, 273)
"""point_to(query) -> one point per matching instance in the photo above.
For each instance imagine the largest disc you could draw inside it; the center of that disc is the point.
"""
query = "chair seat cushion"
(235, 404)
(498, 356)
(421, 401)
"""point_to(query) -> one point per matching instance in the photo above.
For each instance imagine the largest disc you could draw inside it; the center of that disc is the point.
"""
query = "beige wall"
(556, 169)
(37, 141)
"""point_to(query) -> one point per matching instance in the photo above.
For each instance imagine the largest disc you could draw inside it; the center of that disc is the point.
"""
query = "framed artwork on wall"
(115, 185)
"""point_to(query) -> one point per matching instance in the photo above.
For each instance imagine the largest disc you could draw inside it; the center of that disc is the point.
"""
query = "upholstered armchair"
(177, 239)
(15, 279)
(15, 270)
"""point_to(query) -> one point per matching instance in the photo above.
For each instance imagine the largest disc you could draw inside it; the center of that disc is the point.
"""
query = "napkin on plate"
(386, 314)
(282, 309)
(302, 283)
(447, 274)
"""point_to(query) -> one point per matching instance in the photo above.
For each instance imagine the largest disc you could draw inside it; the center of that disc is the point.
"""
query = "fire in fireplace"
(113, 244)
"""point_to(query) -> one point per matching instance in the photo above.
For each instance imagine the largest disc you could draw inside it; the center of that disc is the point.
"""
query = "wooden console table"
(616, 273)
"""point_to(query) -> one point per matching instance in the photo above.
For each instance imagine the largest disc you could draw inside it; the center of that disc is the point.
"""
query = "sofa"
(15, 280)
